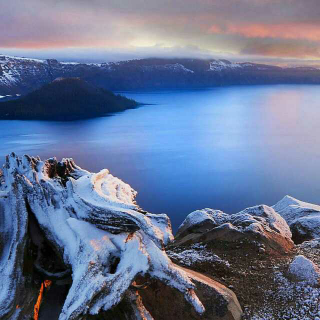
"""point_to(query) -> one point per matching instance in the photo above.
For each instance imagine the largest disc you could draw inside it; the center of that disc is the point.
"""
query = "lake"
(223, 148)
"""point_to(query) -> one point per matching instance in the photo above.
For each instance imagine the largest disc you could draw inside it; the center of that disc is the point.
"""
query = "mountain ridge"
(23, 75)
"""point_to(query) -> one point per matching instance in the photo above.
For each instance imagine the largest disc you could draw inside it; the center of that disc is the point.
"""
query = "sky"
(268, 31)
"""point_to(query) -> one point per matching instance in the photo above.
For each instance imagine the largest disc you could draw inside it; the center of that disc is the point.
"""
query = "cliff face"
(22, 75)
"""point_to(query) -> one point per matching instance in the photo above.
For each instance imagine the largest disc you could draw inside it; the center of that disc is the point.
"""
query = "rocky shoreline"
(75, 245)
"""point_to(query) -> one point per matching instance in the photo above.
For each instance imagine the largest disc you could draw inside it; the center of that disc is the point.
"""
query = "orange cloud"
(292, 31)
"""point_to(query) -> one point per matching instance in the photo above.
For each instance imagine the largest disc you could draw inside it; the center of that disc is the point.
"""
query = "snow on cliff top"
(5, 59)
(219, 65)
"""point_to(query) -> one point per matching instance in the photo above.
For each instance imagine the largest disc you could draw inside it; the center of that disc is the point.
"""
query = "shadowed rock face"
(219, 301)
(81, 230)
(260, 225)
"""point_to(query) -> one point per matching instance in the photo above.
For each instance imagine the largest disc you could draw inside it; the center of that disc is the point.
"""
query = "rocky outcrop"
(303, 218)
(75, 245)
(252, 253)
(64, 224)
(259, 225)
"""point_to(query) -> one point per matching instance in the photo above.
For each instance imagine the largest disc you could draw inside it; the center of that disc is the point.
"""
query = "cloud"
(135, 27)
(277, 48)
(296, 31)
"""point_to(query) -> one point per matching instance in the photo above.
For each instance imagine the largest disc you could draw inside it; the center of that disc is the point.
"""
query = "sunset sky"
(273, 31)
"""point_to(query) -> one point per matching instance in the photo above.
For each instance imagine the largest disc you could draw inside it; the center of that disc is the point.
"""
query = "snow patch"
(220, 65)
(176, 67)
(300, 301)
(196, 254)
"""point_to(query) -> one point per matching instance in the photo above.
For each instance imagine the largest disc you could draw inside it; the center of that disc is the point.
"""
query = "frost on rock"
(93, 227)
(303, 269)
(302, 217)
(296, 301)
(312, 244)
(260, 223)
(207, 218)
(264, 215)
(196, 254)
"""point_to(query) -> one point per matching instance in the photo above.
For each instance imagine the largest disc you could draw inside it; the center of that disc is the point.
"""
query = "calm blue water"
(226, 148)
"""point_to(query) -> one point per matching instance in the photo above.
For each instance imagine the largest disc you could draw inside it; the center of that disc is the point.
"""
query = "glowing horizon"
(277, 32)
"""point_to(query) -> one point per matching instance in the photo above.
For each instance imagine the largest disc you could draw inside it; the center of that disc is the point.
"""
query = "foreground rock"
(150, 299)
(251, 252)
(303, 218)
(64, 224)
(260, 225)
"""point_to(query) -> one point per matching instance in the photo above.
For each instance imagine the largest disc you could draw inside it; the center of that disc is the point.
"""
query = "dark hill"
(65, 99)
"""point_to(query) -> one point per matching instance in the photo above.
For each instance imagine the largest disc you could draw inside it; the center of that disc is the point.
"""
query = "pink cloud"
(292, 31)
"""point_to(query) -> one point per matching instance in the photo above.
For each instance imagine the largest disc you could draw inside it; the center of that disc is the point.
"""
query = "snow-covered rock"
(302, 217)
(93, 230)
(202, 219)
(259, 223)
(292, 209)
(303, 269)
(312, 244)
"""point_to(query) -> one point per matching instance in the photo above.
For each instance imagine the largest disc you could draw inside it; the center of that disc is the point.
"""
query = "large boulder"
(303, 269)
(259, 224)
(201, 221)
(303, 218)
(165, 303)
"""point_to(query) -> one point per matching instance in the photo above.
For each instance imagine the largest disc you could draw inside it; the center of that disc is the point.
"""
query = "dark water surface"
(226, 148)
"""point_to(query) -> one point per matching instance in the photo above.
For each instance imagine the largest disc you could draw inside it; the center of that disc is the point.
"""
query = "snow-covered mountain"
(22, 75)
